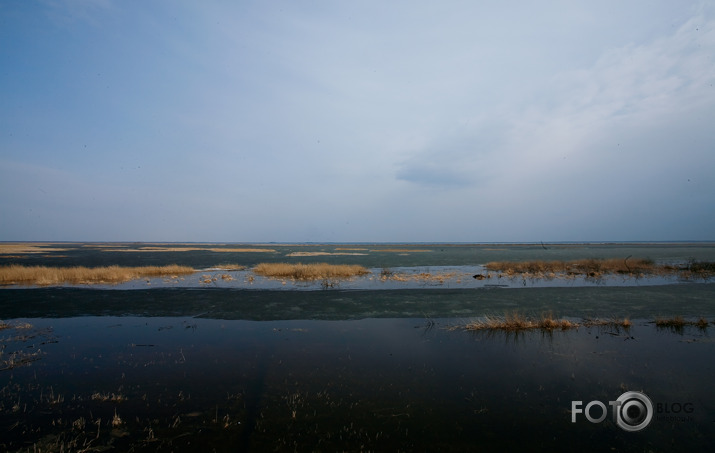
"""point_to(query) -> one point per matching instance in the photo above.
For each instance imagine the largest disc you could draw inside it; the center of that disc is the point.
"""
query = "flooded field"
(188, 366)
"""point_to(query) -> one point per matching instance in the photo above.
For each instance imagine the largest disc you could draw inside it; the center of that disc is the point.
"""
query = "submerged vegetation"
(313, 271)
(44, 275)
(19, 354)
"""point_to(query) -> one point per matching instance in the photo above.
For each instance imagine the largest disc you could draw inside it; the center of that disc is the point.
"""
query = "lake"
(362, 365)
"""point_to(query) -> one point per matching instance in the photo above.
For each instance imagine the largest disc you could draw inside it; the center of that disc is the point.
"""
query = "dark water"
(224, 369)
(188, 384)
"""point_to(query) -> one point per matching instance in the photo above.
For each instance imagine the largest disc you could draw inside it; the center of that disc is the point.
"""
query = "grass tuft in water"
(514, 322)
(678, 323)
(313, 271)
(590, 267)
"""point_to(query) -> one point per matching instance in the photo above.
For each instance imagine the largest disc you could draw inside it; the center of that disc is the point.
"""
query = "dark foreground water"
(222, 369)
(188, 384)
(237, 370)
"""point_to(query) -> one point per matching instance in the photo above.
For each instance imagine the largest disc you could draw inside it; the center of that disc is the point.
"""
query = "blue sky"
(357, 121)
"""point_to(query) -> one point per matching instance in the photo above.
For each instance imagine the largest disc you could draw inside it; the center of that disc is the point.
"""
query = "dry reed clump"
(424, 277)
(314, 271)
(624, 323)
(27, 248)
(324, 253)
(679, 322)
(43, 275)
(400, 250)
(590, 267)
(514, 322)
(698, 269)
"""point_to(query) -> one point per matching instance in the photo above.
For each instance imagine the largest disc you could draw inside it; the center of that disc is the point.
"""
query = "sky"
(340, 121)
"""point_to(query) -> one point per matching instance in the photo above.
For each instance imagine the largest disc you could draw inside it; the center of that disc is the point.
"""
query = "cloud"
(580, 118)
(610, 150)
(461, 158)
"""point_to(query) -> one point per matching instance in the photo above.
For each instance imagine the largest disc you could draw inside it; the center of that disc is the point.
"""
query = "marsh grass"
(313, 271)
(104, 397)
(43, 275)
(422, 277)
(589, 267)
(324, 254)
(613, 322)
(28, 248)
(698, 269)
(678, 323)
(515, 322)
(400, 250)
(18, 354)
(595, 268)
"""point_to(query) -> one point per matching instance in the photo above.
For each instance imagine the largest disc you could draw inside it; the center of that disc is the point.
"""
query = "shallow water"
(180, 383)
(204, 256)
(176, 365)
(648, 302)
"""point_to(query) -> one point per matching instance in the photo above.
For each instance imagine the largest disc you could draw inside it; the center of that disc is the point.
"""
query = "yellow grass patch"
(322, 253)
(313, 271)
(425, 277)
(43, 275)
(514, 322)
(400, 250)
(27, 248)
(589, 267)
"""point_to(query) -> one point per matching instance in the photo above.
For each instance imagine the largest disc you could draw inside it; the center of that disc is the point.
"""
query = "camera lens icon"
(634, 411)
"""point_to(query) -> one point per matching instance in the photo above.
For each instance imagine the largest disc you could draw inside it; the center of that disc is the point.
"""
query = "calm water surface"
(181, 384)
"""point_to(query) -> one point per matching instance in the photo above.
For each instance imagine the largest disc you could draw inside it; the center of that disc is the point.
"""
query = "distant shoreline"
(366, 243)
